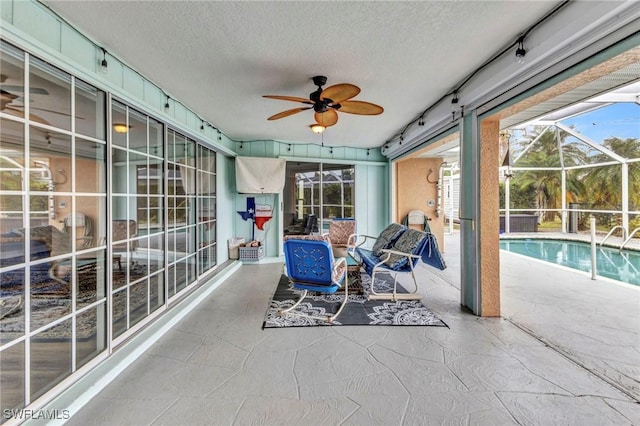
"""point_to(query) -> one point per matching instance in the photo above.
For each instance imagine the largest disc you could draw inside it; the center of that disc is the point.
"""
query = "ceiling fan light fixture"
(326, 103)
(120, 127)
(317, 128)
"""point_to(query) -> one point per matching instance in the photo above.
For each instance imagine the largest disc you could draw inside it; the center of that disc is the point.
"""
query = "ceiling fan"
(5, 106)
(326, 103)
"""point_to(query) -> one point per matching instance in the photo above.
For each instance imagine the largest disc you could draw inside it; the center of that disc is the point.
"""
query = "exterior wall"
(414, 190)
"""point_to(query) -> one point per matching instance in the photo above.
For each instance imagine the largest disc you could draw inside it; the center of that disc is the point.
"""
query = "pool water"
(611, 263)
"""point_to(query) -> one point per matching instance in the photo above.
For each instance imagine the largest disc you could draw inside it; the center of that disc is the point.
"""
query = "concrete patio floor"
(566, 351)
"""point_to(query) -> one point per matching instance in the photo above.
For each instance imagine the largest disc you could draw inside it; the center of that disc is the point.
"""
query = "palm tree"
(547, 184)
(605, 183)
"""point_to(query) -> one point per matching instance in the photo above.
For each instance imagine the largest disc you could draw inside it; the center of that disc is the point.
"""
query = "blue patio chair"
(310, 266)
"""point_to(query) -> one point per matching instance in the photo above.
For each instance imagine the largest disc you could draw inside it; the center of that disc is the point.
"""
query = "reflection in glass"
(90, 111)
(156, 252)
(12, 66)
(50, 358)
(50, 90)
(171, 276)
(91, 336)
(156, 177)
(156, 216)
(50, 291)
(155, 138)
(120, 127)
(90, 278)
(12, 377)
(142, 209)
(156, 292)
(138, 302)
(11, 156)
(137, 131)
(90, 166)
(119, 312)
(119, 171)
(191, 269)
(12, 297)
(90, 221)
(50, 161)
(180, 275)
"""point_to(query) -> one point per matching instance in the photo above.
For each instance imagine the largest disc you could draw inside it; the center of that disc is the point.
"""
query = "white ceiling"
(219, 58)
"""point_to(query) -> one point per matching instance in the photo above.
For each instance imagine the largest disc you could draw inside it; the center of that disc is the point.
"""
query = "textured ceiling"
(218, 58)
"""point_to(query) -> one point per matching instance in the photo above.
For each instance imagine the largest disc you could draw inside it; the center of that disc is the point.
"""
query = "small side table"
(354, 276)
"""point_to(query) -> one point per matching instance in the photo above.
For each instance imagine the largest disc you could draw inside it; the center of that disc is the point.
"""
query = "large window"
(206, 190)
(181, 217)
(325, 190)
(53, 210)
(87, 256)
(137, 213)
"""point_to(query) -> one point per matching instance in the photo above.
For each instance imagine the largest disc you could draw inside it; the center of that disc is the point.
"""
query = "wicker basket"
(251, 254)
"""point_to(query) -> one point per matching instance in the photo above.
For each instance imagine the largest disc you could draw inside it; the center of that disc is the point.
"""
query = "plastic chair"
(311, 267)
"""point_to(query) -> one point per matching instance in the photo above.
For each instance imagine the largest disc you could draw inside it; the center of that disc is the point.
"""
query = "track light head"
(520, 51)
(454, 101)
(166, 104)
(104, 65)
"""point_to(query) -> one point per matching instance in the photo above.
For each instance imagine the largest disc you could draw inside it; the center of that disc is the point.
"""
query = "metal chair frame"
(304, 262)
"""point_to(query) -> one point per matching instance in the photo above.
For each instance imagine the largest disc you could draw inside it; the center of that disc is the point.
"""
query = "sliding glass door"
(102, 223)
(325, 190)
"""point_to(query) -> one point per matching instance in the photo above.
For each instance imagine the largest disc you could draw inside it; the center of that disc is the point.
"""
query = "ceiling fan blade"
(32, 90)
(6, 98)
(48, 110)
(340, 92)
(20, 113)
(360, 107)
(289, 98)
(327, 118)
(288, 113)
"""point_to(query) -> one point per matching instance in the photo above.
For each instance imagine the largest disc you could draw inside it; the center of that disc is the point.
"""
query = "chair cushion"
(409, 242)
(339, 231)
(387, 237)
(369, 260)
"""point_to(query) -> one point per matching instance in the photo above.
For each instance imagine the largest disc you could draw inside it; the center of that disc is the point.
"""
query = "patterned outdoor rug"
(357, 311)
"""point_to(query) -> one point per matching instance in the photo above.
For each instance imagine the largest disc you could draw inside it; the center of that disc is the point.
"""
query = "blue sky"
(620, 120)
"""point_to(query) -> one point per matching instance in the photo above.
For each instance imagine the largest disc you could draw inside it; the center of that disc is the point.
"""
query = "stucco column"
(489, 219)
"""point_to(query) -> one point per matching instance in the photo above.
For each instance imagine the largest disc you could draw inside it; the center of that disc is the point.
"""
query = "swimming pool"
(611, 263)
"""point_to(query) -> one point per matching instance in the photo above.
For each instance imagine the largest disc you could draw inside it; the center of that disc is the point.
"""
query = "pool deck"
(565, 351)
